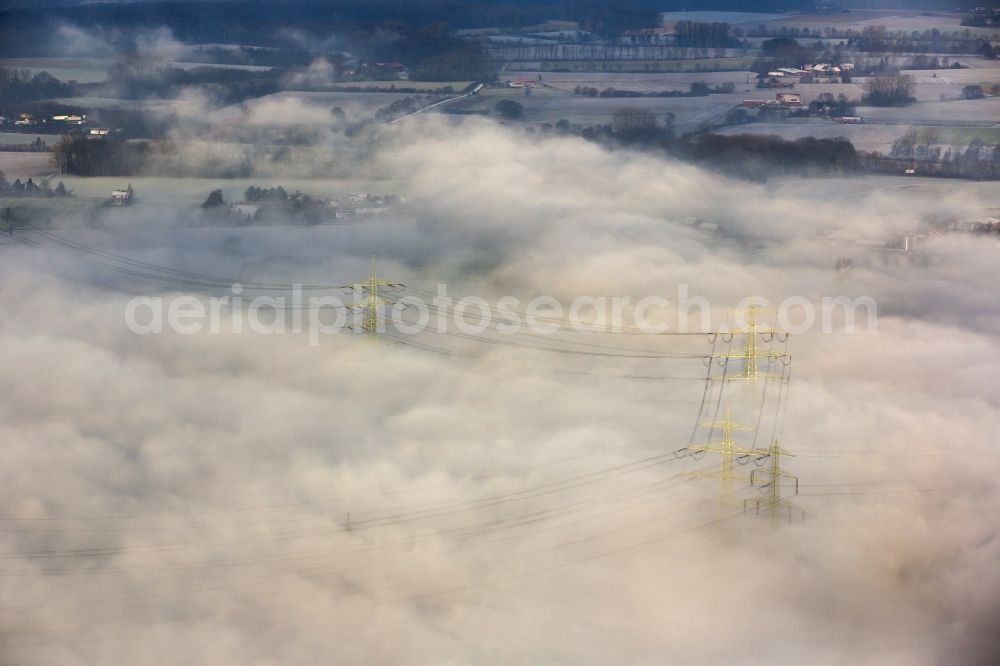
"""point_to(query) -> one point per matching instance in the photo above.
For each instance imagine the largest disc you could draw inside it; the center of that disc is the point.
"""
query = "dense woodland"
(702, 34)
(76, 154)
(385, 30)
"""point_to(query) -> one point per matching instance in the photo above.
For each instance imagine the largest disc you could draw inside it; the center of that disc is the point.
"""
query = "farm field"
(24, 165)
(518, 39)
(974, 71)
(306, 107)
(864, 137)
(961, 136)
(687, 65)
(388, 86)
(638, 81)
(735, 18)
(51, 212)
(931, 84)
(982, 196)
(930, 89)
(550, 106)
(94, 70)
(186, 65)
(891, 19)
(81, 70)
(113, 103)
(19, 139)
(984, 112)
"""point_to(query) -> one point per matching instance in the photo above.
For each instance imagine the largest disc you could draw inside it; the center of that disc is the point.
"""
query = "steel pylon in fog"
(729, 450)
(372, 301)
(751, 354)
(774, 502)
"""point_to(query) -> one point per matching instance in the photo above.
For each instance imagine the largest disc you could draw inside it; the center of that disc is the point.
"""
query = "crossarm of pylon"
(762, 354)
(726, 424)
(719, 447)
(377, 283)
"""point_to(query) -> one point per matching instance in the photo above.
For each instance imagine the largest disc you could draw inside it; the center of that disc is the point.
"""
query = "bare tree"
(631, 118)
(891, 90)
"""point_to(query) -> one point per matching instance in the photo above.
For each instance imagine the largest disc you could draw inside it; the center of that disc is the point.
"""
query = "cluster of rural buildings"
(351, 70)
(27, 121)
(787, 102)
(821, 69)
(910, 243)
(122, 197)
(787, 77)
(783, 100)
(344, 207)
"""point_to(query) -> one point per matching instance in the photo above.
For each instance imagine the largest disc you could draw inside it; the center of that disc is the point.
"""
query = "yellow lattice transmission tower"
(729, 451)
(751, 354)
(774, 503)
(372, 302)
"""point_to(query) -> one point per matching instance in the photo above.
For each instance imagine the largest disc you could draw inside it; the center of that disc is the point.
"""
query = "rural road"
(431, 106)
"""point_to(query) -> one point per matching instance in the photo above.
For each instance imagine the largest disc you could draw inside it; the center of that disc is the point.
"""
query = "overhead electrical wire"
(354, 498)
(454, 534)
(430, 510)
(411, 513)
(182, 592)
(136, 268)
(410, 598)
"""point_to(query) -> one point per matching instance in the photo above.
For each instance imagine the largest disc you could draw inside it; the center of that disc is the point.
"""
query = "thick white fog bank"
(252, 499)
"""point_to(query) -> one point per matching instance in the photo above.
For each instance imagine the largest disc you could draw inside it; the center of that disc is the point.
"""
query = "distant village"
(56, 124)
(260, 204)
(853, 249)
(277, 204)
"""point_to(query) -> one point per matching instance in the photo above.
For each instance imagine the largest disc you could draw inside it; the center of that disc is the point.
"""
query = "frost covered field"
(652, 82)
(19, 138)
(985, 112)
(292, 107)
(547, 105)
(891, 19)
(864, 137)
(25, 165)
(81, 70)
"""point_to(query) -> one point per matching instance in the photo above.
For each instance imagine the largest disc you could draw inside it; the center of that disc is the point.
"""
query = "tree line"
(696, 89)
(745, 156)
(20, 85)
(704, 34)
(30, 188)
(893, 90)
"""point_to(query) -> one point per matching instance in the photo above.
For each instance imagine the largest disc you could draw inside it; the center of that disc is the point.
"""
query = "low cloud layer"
(246, 499)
